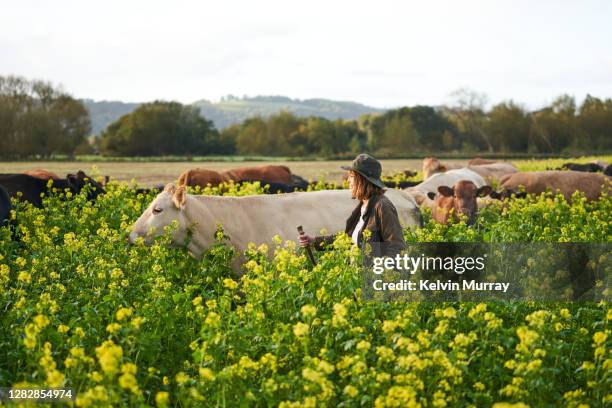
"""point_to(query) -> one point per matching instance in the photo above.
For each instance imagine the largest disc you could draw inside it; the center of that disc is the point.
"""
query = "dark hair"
(362, 188)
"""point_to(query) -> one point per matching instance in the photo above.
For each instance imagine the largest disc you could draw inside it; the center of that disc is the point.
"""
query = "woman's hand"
(305, 240)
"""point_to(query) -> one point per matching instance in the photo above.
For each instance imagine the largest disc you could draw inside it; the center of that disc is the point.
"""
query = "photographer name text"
(437, 285)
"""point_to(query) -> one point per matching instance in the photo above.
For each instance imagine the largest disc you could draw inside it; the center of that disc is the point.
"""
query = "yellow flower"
(181, 378)
(351, 391)
(206, 374)
(123, 313)
(599, 338)
(113, 327)
(24, 277)
(300, 329)
(340, 313)
(41, 321)
(230, 283)
(309, 311)
(55, 379)
(109, 356)
(162, 398)
(449, 313)
(62, 328)
(363, 345)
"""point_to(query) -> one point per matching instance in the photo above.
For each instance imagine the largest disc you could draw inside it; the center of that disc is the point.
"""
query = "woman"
(375, 212)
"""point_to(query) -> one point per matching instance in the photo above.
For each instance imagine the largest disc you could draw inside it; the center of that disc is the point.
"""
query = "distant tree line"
(466, 127)
(37, 119)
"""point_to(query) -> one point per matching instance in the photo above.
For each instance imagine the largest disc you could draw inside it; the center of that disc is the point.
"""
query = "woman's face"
(351, 180)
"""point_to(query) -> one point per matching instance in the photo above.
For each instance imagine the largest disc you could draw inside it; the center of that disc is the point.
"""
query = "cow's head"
(431, 165)
(80, 180)
(464, 194)
(167, 207)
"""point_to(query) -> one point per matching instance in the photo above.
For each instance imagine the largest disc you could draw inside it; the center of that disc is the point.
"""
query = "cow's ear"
(483, 191)
(170, 188)
(73, 181)
(431, 195)
(445, 191)
(179, 197)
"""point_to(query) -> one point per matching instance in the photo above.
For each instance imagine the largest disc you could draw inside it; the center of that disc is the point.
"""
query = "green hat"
(368, 167)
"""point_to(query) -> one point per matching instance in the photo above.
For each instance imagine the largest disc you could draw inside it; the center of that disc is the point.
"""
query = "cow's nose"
(132, 237)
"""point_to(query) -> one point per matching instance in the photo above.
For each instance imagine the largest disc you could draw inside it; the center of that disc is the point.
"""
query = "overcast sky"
(381, 53)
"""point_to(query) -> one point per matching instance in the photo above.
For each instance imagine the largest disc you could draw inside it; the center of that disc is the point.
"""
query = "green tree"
(468, 115)
(508, 127)
(38, 119)
(554, 127)
(253, 137)
(595, 122)
(160, 128)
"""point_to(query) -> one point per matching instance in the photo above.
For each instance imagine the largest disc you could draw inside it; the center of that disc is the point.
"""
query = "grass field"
(154, 172)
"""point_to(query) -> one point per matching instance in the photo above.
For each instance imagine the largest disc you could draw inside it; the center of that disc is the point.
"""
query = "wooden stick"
(308, 249)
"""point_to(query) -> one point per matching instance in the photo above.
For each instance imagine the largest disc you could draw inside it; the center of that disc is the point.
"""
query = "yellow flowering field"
(130, 325)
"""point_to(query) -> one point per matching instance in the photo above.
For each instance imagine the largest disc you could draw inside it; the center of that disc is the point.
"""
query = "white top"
(360, 224)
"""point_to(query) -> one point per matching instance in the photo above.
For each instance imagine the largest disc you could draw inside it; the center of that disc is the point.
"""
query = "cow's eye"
(157, 210)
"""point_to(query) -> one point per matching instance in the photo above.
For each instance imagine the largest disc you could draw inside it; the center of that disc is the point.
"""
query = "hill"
(231, 110)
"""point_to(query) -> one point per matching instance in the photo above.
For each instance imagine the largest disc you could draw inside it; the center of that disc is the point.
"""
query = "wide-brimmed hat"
(368, 167)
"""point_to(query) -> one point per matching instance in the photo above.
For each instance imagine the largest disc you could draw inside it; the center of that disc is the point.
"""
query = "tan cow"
(431, 166)
(203, 177)
(564, 182)
(452, 203)
(493, 172)
(273, 173)
(478, 161)
(42, 174)
(256, 218)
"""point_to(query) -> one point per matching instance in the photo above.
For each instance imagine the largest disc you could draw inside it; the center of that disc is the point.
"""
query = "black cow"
(273, 188)
(401, 184)
(608, 170)
(299, 182)
(144, 191)
(31, 187)
(587, 167)
(5, 206)
(507, 194)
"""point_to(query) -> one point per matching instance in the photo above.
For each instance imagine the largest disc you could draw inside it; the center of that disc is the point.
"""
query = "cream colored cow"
(256, 218)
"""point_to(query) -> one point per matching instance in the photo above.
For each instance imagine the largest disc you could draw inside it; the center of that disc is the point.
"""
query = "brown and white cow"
(420, 191)
(564, 182)
(431, 166)
(451, 204)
